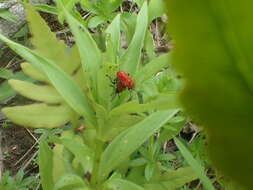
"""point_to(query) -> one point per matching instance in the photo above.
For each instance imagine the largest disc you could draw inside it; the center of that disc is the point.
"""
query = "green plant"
(74, 87)
(215, 58)
(18, 183)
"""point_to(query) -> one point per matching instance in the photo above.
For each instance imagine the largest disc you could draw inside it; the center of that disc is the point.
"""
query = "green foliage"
(213, 52)
(19, 182)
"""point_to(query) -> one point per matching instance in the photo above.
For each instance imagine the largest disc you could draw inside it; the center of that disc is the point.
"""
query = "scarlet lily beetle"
(124, 81)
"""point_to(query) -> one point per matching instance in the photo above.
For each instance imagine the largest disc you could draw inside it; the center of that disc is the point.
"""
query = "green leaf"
(128, 23)
(120, 184)
(39, 115)
(149, 170)
(152, 68)
(114, 31)
(156, 8)
(81, 151)
(160, 102)
(43, 93)
(173, 179)
(46, 165)
(112, 127)
(91, 57)
(96, 21)
(34, 73)
(69, 182)
(198, 169)
(128, 141)
(217, 49)
(7, 15)
(46, 8)
(6, 91)
(63, 83)
(131, 58)
(42, 38)
(5, 73)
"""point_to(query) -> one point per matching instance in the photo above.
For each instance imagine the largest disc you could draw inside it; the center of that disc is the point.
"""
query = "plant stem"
(95, 172)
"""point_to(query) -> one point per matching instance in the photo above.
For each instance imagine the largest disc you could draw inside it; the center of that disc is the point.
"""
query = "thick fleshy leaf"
(128, 141)
(39, 115)
(46, 165)
(63, 83)
(46, 43)
(43, 93)
(214, 53)
(131, 58)
(34, 73)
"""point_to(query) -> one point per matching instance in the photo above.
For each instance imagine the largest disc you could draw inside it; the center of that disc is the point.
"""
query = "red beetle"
(123, 81)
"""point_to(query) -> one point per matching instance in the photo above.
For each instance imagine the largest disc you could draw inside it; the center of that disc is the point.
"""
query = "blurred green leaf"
(7, 15)
(70, 182)
(215, 58)
(46, 8)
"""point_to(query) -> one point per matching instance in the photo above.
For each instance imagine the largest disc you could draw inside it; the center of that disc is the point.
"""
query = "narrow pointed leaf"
(128, 141)
(131, 59)
(198, 169)
(46, 165)
(33, 72)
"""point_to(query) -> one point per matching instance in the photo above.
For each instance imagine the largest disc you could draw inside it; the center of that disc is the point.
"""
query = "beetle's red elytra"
(124, 81)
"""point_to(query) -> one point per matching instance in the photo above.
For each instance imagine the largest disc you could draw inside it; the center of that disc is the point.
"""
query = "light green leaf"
(198, 169)
(7, 15)
(91, 57)
(70, 182)
(46, 43)
(34, 73)
(96, 21)
(114, 31)
(217, 48)
(160, 102)
(128, 141)
(46, 165)
(39, 115)
(63, 83)
(120, 184)
(116, 124)
(174, 179)
(43, 93)
(6, 91)
(81, 151)
(149, 170)
(128, 23)
(152, 68)
(131, 58)
(156, 8)
(5, 73)
(46, 8)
